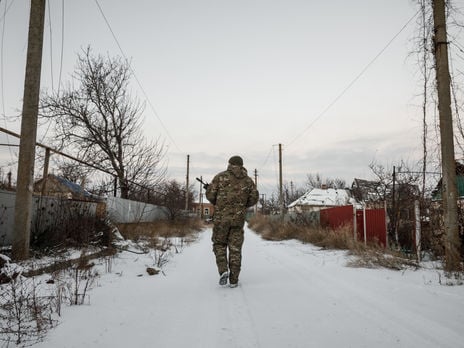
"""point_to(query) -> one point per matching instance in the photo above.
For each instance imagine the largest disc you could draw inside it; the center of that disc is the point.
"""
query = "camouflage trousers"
(229, 239)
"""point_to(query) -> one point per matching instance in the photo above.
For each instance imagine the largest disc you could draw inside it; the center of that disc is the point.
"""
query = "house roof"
(324, 197)
(437, 192)
(71, 187)
(366, 190)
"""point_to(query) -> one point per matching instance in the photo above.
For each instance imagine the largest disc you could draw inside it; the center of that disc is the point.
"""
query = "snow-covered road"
(290, 295)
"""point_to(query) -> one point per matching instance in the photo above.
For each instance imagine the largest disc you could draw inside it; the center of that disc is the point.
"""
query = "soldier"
(232, 192)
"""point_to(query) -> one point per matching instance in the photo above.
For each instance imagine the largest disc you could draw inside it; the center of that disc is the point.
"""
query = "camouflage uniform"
(232, 192)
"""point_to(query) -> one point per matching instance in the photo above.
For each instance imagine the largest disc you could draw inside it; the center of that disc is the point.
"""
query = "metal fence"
(51, 211)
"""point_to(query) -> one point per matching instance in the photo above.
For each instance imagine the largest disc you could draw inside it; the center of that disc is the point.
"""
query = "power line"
(51, 42)
(339, 96)
(62, 45)
(6, 9)
(2, 73)
(267, 157)
(135, 76)
(51, 56)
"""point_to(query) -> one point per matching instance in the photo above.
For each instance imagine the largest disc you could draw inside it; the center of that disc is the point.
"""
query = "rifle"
(205, 184)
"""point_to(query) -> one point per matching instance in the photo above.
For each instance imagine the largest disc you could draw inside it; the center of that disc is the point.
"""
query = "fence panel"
(337, 216)
(376, 230)
(126, 211)
(49, 211)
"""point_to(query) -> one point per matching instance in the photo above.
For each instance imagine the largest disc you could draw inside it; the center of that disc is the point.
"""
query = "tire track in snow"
(350, 299)
(241, 332)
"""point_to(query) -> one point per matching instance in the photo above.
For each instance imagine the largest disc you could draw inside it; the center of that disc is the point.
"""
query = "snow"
(290, 295)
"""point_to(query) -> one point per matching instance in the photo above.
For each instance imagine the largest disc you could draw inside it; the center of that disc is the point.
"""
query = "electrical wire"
(135, 76)
(7, 9)
(357, 77)
(62, 46)
(3, 75)
(51, 64)
(267, 157)
(51, 42)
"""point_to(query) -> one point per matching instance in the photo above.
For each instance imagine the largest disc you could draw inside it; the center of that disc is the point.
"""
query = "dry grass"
(157, 229)
(370, 256)
(271, 229)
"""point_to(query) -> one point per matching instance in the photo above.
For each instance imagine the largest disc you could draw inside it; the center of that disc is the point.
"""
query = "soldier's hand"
(205, 186)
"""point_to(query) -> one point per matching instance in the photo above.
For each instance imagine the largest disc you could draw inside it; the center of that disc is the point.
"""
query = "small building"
(203, 208)
(319, 198)
(369, 192)
(437, 192)
(57, 186)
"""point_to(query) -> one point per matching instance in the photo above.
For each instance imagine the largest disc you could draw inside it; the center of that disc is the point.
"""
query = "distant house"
(319, 198)
(203, 208)
(437, 192)
(367, 191)
(57, 186)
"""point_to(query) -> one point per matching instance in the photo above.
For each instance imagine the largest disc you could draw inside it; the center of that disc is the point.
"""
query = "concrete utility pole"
(187, 184)
(281, 192)
(449, 187)
(23, 205)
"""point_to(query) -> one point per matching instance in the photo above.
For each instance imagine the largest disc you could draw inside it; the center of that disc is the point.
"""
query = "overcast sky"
(334, 82)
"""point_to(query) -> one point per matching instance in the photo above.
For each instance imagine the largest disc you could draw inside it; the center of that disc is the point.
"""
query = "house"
(203, 208)
(57, 186)
(368, 192)
(437, 192)
(319, 198)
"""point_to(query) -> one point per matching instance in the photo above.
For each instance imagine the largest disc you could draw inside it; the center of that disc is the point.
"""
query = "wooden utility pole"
(23, 205)
(187, 184)
(281, 192)
(449, 188)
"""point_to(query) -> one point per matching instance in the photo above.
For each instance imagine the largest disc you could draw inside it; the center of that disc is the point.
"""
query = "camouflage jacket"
(232, 192)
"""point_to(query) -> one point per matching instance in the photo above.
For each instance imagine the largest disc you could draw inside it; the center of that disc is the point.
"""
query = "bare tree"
(171, 195)
(97, 117)
(399, 190)
(74, 172)
(291, 193)
(317, 181)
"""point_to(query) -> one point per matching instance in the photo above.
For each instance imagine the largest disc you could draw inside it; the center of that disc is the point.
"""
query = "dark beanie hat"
(236, 161)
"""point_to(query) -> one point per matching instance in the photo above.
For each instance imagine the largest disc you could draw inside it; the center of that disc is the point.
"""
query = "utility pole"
(201, 197)
(449, 188)
(281, 192)
(263, 200)
(256, 184)
(23, 205)
(393, 208)
(187, 184)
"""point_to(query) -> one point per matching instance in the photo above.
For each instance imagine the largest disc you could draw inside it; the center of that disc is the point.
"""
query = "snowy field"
(290, 295)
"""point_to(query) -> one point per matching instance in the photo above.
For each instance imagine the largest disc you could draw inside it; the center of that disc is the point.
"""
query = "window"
(206, 211)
